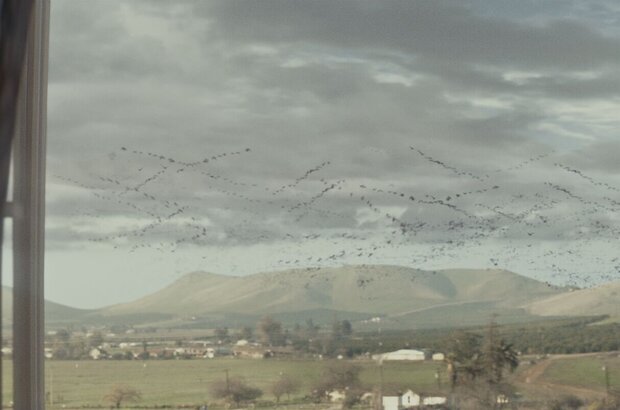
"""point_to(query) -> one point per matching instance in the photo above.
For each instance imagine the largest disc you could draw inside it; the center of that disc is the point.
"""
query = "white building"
(434, 400)
(96, 354)
(410, 399)
(402, 354)
(336, 396)
(401, 401)
(439, 356)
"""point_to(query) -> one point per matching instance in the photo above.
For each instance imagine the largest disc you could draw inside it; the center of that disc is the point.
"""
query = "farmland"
(585, 372)
(186, 382)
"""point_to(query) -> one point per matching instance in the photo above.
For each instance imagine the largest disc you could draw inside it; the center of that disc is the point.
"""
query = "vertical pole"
(227, 382)
(607, 386)
(29, 218)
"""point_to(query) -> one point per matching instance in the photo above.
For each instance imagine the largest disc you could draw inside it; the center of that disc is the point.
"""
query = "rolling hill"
(601, 300)
(55, 313)
(402, 296)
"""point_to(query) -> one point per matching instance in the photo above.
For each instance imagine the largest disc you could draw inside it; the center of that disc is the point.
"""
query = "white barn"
(402, 354)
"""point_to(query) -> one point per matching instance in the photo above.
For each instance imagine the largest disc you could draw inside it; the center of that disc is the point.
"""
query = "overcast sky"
(237, 137)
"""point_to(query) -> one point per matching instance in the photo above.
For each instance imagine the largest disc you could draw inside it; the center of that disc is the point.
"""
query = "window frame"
(27, 36)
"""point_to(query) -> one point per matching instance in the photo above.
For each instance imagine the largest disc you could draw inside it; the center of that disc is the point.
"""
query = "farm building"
(403, 354)
(434, 400)
(400, 401)
(409, 399)
(97, 354)
(336, 396)
(439, 356)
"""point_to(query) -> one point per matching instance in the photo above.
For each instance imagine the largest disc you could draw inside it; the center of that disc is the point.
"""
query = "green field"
(585, 372)
(186, 382)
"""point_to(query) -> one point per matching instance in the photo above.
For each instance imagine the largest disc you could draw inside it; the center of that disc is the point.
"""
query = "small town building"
(97, 353)
(434, 400)
(403, 354)
(399, 401)
(336, 396)
(410, 399)
(439, 356)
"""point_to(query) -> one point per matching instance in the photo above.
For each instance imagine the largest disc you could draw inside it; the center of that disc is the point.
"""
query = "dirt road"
(531, 379)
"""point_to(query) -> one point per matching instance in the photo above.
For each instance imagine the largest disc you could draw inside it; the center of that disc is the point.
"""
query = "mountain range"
(401, 297)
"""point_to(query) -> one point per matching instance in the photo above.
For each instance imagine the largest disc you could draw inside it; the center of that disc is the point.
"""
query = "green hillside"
(401, 295)
(55, 313)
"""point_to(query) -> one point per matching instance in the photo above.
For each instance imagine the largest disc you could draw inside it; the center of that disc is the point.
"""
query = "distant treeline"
(561, 336)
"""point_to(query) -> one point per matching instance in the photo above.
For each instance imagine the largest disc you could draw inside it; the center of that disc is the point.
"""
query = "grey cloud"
(442, 30)
(312, 94)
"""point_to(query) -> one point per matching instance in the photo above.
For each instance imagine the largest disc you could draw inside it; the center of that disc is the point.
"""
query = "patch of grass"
(584, 371)
(187, 382)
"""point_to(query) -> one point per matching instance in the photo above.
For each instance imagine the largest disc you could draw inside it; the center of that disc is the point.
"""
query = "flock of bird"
(366, 222)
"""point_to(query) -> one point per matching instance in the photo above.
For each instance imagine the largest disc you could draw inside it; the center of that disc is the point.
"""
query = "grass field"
(186, 382)
(584, 372)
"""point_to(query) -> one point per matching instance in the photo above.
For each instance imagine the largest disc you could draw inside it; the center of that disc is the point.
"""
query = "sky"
(237, 137)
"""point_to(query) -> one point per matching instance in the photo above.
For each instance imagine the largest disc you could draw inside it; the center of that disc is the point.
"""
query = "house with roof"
(399, 401)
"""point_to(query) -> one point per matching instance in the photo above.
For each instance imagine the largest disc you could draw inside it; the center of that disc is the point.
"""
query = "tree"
(270, 331)
(342, 375)
(312, 330)
(246, 333)
(497, 356)
(336, 330)
(221, 333)
(122, 393)
(235, 390)
(338, 375)
(480, 367)
(463, 357)
(96, 339)
(341, 328)
(569, 402)
(284, 385)
(63, 335)
(346, 327)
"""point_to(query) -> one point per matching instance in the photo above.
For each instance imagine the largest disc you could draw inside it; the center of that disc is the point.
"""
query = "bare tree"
(122, 393)
(284, 385)
(235, 390)
(270, 331)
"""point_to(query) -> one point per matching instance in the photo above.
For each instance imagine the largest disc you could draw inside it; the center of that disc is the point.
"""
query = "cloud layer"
(418, 133)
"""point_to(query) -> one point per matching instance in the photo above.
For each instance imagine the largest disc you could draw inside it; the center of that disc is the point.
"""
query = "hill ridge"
(370, 289)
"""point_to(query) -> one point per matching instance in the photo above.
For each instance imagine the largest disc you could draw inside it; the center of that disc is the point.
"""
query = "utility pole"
(51, 387)
(382, 380)
(605, 368)
(227, 382)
